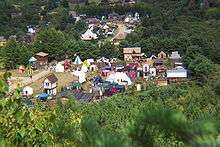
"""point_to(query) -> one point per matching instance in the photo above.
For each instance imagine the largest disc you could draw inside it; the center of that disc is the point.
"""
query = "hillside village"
(97, 73)
(98, 78)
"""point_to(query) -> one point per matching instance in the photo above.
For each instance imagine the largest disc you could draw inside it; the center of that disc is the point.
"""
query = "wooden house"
(50, 84)
(42, 58)
(162, 55)
(132, 53)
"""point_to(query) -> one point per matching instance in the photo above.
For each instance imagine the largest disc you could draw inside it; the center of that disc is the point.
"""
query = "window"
(46, 84)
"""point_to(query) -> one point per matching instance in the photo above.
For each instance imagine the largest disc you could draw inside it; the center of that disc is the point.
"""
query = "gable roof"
(132, 50)
(162, 52)
(175, 55)
(52, 78)
(42, 54)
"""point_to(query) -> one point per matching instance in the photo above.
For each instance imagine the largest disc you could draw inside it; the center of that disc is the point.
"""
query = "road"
(23, 81)
(120, 33)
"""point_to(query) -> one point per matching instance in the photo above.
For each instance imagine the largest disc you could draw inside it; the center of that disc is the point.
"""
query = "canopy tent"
(119, 77)
(78, 60)
(97, 79)
(89, 35)
(103, 59)
(32, 60)
(81, 75)
(86, 64)
(84, 68)
(90, 60)
(43, 96)
(105, 27)
(59, 67)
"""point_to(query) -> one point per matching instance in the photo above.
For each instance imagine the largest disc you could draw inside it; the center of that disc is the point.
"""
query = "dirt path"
(121, 30)
(23, 81)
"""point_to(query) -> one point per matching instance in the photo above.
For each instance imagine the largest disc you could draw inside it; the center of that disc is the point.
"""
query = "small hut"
(32, 62)
(21, 69)
(162, 55)
(27, 91)
(50, 84)
(42, 58)
(132, 53)
(78, 61)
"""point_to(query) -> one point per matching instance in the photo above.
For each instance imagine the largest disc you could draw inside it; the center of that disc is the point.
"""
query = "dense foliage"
(176, 115)
(185, 114)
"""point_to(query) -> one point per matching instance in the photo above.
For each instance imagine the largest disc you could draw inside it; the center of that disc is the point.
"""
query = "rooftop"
(133, 50)
(42, 54)
(52, 78)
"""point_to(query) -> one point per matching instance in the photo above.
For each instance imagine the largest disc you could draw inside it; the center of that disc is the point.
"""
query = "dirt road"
(23, 81)
(120, 32)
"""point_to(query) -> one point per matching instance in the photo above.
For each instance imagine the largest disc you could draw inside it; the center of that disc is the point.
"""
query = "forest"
(183, 114)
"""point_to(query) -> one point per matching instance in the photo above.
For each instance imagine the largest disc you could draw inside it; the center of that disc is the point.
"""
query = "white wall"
(177, 74)
(50, 86)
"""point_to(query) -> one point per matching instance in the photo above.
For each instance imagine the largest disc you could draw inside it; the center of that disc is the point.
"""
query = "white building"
(27, 91)
(59, 67)
(50, 84)
(120, 78)
(178, 72)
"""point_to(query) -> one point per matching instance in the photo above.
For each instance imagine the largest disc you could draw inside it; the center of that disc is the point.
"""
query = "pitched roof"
(42, 54)
(52, 78)
(175, 55)
(133, 50)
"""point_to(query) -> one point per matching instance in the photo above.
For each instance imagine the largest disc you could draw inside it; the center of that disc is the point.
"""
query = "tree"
(65, 3)
(15, 54)
(51, 41)
(201, 132)
(107, 49)
(201, 67)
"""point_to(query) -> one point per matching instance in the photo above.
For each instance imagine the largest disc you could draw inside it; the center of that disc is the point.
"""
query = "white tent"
(84, 68)
(81, 75)
(120, 78)
(90, 60)
(103, 59)
(89, 35)
(105, 27)
(127, 19)
(27, 91)
(59, 67)
(31, 30)
(78, 60)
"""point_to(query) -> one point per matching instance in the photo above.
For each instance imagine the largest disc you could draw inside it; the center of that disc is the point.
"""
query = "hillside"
(180, 114)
